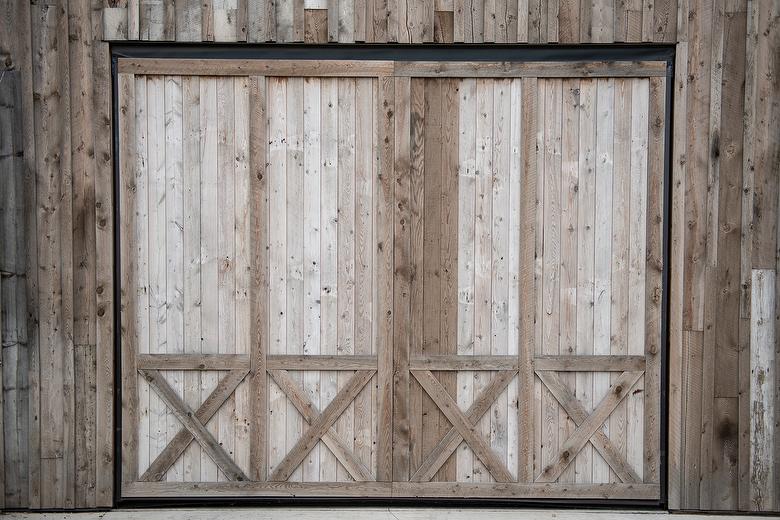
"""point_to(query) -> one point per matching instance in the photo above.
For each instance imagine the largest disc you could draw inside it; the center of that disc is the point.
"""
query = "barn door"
(390, 279)
(528, 260)
(255, 283)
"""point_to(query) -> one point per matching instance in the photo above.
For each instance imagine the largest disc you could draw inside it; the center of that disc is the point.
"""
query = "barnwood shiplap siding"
(58, 382)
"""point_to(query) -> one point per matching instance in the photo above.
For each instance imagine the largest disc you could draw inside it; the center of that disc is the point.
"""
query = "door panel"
(422, 284)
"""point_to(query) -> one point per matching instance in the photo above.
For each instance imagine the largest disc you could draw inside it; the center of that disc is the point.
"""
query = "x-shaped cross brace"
(588, 426)
(321, 425)
(463, 426)
(194, 425)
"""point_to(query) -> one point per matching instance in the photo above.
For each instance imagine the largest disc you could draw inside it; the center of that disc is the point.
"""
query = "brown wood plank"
(432, 239)
(654, 266)
(127, 169)
(192, 361)
(320, 362)
(448, 328)
(240, 67)
(257, 489)
(529, 69)
(446, 362)
(528, 205)
(416, 228)
(463, 490)
(384, 185)
(259, 238)
(605, 363)
(402, 279)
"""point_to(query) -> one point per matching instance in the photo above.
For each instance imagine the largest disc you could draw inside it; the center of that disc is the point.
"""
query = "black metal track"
(427, 52)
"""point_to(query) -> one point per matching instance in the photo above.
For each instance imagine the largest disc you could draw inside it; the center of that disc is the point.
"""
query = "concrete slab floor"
(291, 513)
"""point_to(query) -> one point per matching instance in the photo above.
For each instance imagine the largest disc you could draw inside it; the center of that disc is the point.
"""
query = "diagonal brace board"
(187, 417)
(587, 428)
(206, 411)
(464, 426)
(322, 424)
(452, 439)
(600, 441)
(332, 440)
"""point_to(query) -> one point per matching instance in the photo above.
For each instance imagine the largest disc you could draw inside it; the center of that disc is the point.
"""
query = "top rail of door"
(377, 68)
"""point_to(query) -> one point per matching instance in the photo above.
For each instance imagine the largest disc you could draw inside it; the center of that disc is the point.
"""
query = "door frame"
(408, 54)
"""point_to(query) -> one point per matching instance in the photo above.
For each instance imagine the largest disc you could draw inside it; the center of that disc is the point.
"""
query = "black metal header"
(397, 52)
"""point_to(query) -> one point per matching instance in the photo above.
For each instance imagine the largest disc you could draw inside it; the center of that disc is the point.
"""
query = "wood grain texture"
(688, 22)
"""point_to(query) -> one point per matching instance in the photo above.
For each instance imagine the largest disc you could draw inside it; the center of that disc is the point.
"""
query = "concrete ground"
(395, 513)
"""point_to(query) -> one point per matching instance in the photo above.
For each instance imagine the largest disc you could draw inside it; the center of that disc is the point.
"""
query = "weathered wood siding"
(724, 215)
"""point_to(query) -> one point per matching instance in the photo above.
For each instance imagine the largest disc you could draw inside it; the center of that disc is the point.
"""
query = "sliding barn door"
(528, 289)
(391, 279)
(255, 283)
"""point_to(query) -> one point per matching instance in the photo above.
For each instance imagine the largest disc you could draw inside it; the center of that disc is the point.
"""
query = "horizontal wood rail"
(192, 361)
(590, 363)
(370, 68)
(454, 362)
(242, 67)
(296, 362)
(388, 489)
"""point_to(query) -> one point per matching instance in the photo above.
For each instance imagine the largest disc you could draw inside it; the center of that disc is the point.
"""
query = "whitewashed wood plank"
(311, 252)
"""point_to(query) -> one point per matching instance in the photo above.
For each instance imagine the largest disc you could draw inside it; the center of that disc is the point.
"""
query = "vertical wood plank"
(653, 277)
(311, 251)
(637, 275)
(603, 242)
(525, 410)
(500, 253)
(449, 246)
(483, 216)
(432, 237)
(383, 236)
(762, 402)
(277, 261)
(586, 257)
(569, 246)
(293, 204)
(416, 227)
(191, 183)
(174, 246)
(466, 244)
(364, 425)
(242, 289)
(127, 163)
(402, 280)
(329, 109)
(346, 245)
(209, 262)
(676, 268)
(259, 238)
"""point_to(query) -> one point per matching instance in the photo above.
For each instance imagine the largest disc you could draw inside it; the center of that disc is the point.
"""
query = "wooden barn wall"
(56, 293)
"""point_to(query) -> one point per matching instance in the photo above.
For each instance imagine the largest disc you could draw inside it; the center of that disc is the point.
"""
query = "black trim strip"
(396, 52)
